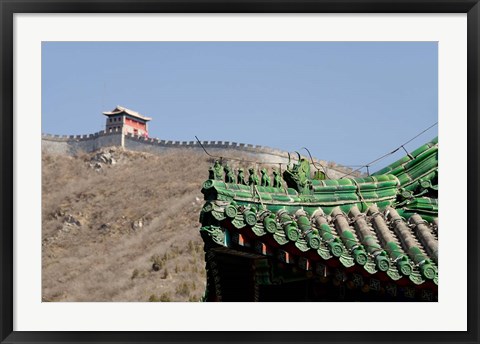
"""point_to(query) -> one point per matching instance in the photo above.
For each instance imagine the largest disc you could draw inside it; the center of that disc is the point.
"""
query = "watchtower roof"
(120, 109)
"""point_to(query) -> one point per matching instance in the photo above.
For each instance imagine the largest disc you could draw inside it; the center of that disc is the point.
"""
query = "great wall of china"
(75, 144)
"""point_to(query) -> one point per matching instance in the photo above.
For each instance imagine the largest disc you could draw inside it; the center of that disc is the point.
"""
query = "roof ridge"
(128, 111)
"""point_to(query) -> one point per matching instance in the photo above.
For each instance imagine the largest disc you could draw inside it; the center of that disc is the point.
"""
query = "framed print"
(268, 170)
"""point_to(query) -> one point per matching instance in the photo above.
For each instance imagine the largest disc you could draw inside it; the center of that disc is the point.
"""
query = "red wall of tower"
(135, 124)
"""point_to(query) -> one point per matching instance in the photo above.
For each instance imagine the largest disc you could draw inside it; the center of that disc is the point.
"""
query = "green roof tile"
(386, 223)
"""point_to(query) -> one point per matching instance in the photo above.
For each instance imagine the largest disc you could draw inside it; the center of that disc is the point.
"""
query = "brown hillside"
(108, 225)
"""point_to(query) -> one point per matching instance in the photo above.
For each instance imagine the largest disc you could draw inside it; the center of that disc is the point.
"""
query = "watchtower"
(126, 121)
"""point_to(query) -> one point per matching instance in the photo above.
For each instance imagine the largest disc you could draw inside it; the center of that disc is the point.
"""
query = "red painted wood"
(135, 124)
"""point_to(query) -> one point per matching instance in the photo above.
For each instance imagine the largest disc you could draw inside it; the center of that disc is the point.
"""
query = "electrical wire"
(402, 146)
(313, 163)
(238, 159)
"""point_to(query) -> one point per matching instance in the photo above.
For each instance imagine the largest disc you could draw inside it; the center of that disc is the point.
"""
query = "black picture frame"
(10, 7)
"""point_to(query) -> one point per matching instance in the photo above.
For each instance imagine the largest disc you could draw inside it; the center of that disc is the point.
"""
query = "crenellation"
(72, 144)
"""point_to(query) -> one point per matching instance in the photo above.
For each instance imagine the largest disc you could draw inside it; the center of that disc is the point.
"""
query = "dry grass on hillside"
(124, 232)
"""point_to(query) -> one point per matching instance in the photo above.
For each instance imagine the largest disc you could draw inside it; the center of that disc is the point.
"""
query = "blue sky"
(348, 102)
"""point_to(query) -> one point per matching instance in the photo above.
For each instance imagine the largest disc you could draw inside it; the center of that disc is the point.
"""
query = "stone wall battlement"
(67, 138)
(208, 144)
(166, 143)
(74, 144)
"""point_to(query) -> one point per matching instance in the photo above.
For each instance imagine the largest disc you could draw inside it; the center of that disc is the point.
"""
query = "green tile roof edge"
(394, 167)
(266, 211)
(276, 230)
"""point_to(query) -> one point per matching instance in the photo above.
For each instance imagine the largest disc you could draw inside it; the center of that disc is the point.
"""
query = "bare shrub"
(153, 298)
(183, 289)
(165, 297)
(165, 274)
(134, 274)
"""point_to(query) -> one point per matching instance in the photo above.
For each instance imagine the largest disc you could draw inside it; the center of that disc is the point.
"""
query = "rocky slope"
(122, 226)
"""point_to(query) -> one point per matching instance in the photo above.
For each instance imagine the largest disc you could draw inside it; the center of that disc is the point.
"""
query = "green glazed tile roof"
(386, 223)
